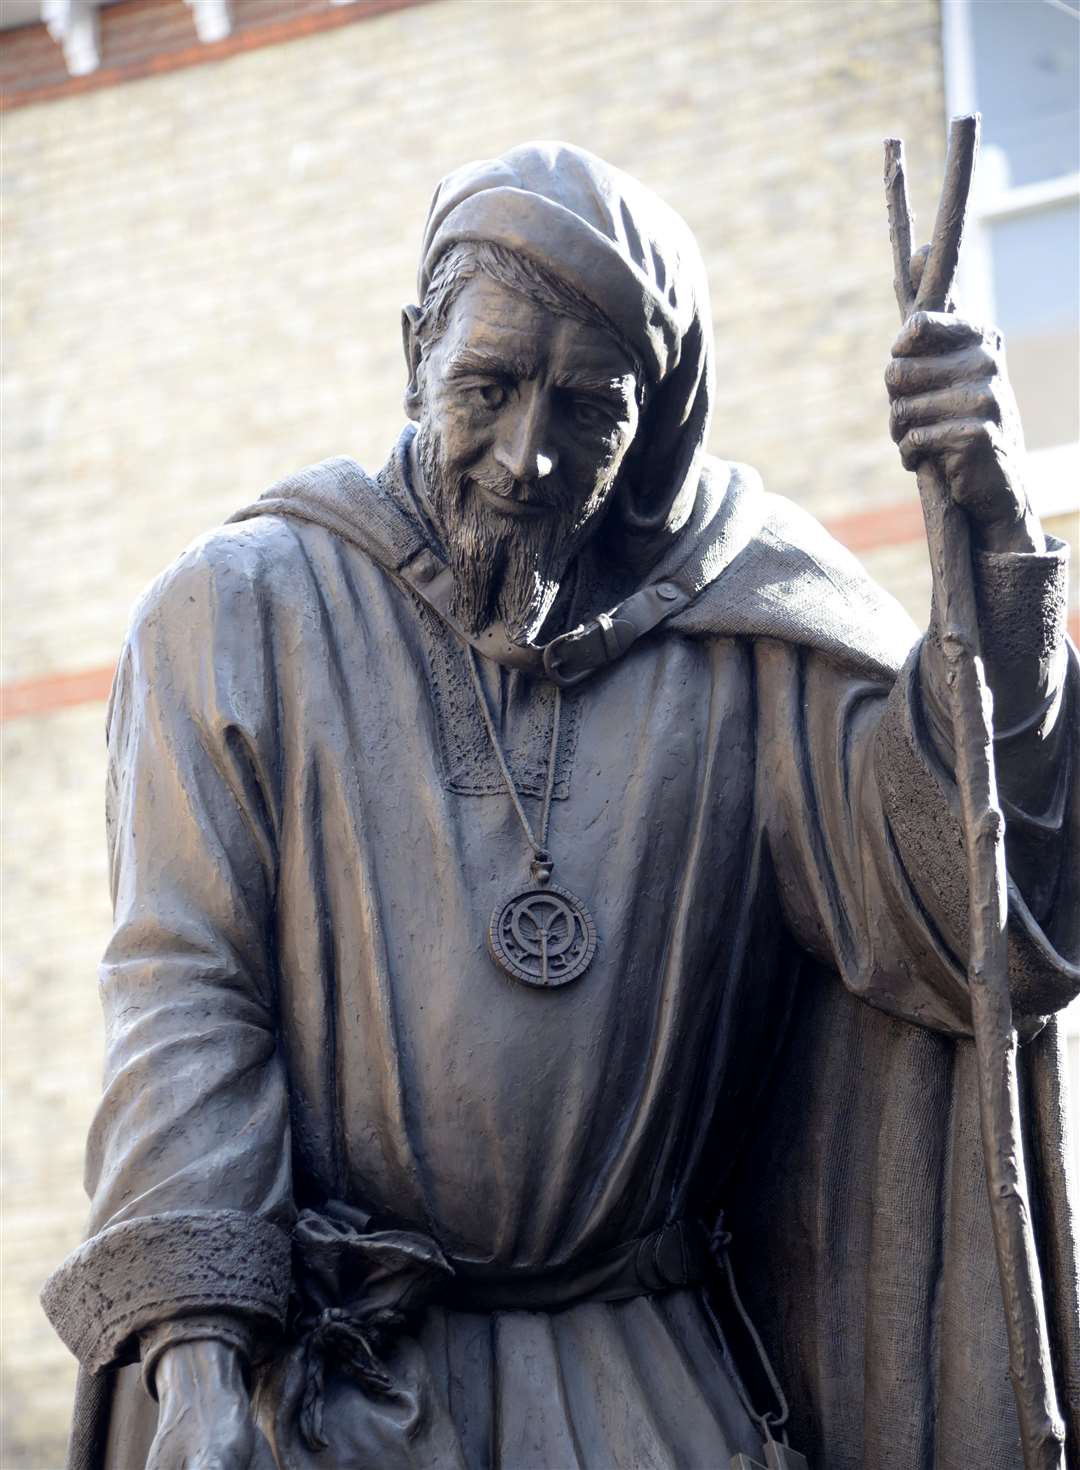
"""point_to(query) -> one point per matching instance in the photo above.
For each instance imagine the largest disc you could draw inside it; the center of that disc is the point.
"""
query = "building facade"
(212, 214)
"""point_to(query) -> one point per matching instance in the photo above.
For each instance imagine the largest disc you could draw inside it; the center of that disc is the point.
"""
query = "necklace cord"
(553, 753)
(539, 848)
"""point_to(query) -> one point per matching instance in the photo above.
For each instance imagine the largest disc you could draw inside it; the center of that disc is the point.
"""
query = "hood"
(634, 258)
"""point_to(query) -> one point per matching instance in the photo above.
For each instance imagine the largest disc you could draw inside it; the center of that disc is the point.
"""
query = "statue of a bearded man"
(537, 1027)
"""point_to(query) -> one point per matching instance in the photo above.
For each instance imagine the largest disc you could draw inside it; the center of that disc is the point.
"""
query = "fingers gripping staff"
(1041, 1431)
(951, 400)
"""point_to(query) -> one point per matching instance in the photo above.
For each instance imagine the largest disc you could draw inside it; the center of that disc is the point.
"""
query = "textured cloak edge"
(862, 1185)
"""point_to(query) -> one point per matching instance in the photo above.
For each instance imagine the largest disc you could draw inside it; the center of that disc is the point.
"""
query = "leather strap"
(575, 655)
(571, 657)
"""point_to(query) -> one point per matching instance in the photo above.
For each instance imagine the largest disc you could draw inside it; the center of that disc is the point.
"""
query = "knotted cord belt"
(357, 1287)
(664, 1260)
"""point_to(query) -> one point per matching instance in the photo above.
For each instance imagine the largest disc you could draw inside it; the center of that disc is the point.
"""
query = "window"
(1018, 63)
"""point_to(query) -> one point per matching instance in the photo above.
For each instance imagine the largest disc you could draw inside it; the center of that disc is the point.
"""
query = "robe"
(309, 832)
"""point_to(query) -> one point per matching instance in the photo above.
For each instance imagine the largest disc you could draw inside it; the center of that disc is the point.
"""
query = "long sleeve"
(1022, 605)
(188, 1161)
(862, 823)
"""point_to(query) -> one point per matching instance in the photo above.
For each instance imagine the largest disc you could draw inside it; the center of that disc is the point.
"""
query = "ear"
(410, 341)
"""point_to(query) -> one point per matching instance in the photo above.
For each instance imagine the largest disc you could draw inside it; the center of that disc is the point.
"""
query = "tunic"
(309, 833)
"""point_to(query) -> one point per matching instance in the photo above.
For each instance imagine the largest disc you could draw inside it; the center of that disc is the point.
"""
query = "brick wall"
(202, 277)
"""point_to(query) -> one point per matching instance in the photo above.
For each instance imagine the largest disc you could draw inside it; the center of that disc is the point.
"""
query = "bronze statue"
(537, 1026)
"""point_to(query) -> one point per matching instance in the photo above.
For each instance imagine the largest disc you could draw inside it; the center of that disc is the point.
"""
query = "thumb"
(916, 267)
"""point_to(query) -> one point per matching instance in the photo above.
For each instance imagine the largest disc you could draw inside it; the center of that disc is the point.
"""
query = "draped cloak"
(308, 833)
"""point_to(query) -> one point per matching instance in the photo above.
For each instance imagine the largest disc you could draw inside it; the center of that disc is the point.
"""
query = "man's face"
(526, 419)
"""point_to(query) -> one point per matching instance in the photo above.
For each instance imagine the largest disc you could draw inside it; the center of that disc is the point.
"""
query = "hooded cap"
(632, 256)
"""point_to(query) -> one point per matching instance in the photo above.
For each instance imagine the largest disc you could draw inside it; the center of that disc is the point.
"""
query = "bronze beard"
(505, 569)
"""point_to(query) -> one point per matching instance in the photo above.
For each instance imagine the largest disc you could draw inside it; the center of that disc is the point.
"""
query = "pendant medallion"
(542, 935)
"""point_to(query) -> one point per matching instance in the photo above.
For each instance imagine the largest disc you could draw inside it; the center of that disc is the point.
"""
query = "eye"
(491, 395)
(588, 414)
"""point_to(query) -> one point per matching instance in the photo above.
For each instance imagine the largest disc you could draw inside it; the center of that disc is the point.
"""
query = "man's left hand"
(952, 402)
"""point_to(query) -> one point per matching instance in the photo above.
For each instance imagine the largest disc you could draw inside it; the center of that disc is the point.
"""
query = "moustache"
(504, 565)
(554, 498)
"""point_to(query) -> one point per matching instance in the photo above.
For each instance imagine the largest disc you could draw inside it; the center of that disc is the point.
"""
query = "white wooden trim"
(958, 51)
(73, 25)
(213, 19)
(1027, 197)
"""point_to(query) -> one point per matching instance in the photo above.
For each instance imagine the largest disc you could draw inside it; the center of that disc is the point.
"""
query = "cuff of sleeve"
(1022, 604)
(1034, 583)
(922, 808)
(134, 1275)
(193, 1327)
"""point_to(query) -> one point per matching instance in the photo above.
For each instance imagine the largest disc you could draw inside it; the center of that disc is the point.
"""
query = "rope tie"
(775, 1419)
(347, 1342)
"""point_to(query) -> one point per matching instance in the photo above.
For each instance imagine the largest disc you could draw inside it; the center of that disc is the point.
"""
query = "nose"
(523, 443)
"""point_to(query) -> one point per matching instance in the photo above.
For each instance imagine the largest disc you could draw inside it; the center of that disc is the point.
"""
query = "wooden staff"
(1041, 1431)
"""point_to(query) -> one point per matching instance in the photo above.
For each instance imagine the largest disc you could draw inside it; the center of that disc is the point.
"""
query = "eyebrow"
(471, 360)
(607, 385)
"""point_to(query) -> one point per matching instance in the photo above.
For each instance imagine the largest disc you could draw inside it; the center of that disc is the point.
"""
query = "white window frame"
(1054, 473)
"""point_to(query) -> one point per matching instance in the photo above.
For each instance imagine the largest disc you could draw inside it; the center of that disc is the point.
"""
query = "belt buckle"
(661, 1259)
(576, 637)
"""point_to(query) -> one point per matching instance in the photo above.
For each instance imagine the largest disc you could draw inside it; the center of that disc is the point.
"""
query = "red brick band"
(42, 696)
(143, 38)
(883, 525)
